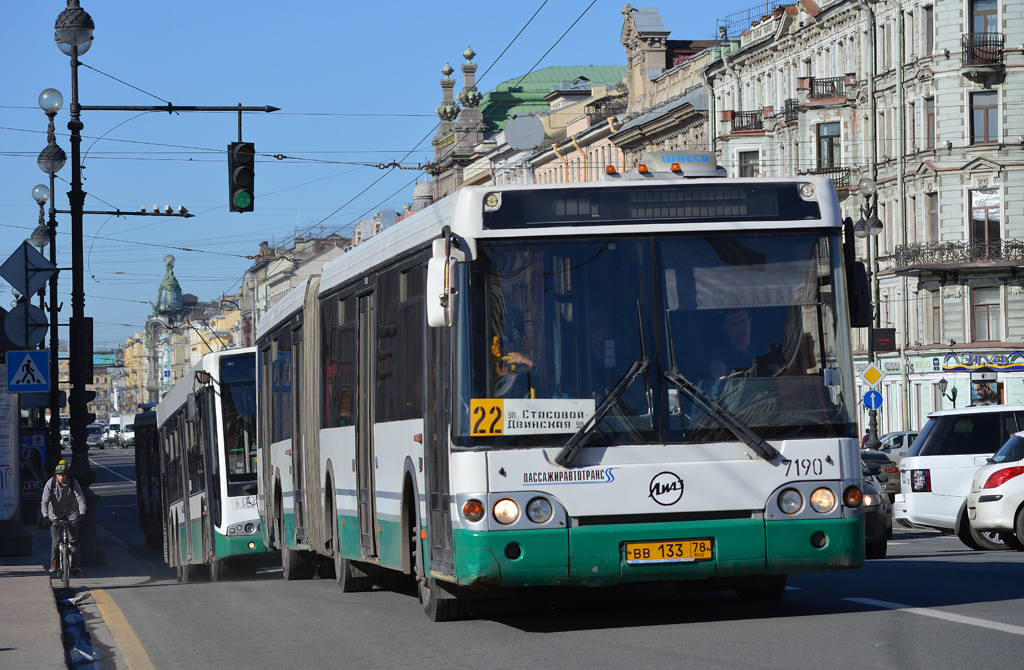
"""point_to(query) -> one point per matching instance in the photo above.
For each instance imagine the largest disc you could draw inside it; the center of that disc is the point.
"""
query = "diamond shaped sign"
(27, 270)
(872, 375)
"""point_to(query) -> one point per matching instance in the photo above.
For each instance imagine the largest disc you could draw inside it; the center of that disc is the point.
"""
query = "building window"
(985, 16)
(985, 220)
(748, 163)
(986, 314)
(928, 28)
(929, 123)
(829, 153)
(984, 117)
(936, 320)
(933, 216)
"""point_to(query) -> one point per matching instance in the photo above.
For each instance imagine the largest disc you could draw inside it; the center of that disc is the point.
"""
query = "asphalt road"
(932, 603)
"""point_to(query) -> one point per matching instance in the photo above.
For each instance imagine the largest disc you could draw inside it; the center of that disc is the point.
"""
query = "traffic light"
(241, 159)
(90, 396)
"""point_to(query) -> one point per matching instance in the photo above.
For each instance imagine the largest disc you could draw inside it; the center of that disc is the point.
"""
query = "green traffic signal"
(241, 159)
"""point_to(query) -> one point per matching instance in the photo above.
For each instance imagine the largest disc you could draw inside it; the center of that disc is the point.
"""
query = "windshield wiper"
(724, 417)
(571, 451)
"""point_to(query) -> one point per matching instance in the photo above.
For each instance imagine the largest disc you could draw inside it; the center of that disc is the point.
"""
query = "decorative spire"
(469, 97)
(169, 299)
(448, 110)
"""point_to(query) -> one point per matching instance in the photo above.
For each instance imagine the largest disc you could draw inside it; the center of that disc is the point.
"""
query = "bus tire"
(766, 589)
(220, 571)
(441, 606)
(294, 565)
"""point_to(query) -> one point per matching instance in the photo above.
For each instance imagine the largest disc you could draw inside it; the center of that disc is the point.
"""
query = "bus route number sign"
(490, 417)
(670, 551)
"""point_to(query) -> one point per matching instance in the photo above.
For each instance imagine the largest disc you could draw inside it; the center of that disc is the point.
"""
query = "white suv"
(996, 502)
(936, 474)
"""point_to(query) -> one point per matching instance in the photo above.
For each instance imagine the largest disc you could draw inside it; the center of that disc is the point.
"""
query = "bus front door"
(365, 464)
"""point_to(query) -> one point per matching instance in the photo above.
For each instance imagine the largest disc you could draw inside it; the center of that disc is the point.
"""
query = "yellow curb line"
(132, 651)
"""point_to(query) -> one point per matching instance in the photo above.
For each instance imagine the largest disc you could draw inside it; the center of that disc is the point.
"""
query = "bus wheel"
(441, 606)
(220, 571)
(764, 590)
(189, 573)
(294, 565)
(351, 578)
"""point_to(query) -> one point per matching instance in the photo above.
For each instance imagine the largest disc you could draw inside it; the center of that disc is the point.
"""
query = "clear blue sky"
(357, 83)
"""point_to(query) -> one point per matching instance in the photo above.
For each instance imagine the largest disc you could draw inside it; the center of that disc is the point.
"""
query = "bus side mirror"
(859, 295)
(190, 408)
(442, 291)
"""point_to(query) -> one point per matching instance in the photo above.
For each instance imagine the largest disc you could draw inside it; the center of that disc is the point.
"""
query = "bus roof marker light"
(492, 202)
(807, 191)
(676, 168)
(610, 169)
(642, 168)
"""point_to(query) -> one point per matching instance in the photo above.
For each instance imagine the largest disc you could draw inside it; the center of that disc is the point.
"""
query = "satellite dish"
(524, 132)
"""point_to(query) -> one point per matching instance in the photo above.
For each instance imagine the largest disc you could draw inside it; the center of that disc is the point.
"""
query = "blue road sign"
(28, 371)
(872, 399)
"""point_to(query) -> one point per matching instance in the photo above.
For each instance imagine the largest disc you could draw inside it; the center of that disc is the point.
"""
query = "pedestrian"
(63, 499)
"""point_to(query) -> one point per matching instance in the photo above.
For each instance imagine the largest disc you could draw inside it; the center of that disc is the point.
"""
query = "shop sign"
(966, 362)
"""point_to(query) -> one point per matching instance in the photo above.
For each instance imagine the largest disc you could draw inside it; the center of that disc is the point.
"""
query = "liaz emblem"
(666, 488)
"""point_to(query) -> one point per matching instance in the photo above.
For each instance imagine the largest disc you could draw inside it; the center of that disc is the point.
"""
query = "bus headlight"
(473, 510)
(506, 511)
(249, 528)
(790, 501)
(231, 530)
(538, 510)
(823, 500)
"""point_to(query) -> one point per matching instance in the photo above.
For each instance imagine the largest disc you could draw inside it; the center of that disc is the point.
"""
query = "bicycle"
(64, 551)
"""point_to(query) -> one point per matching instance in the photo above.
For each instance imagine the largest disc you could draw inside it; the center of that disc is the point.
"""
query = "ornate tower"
(169, 300)
(469, 128)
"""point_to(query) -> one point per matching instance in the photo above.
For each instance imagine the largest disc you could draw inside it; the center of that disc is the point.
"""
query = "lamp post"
(867, 228)
(51, 160)
(73, 34)
(943, 385)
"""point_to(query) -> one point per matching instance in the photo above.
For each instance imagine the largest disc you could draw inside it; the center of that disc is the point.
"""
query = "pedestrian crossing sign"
(28, 371)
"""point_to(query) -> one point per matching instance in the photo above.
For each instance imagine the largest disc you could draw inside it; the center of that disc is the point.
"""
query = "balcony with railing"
(982, 50)
(827, 87)
(947, 255)
(791, 111)
(840, 175)
(748, 121)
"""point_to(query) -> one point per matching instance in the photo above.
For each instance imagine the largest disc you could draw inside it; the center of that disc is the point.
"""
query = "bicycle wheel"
(65, 560)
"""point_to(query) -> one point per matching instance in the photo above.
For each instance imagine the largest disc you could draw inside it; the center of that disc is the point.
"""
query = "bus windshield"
(238, 405)
(552, 328)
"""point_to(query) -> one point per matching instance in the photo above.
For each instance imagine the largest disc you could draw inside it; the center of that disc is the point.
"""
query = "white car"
(935, 476)
(126, 438)
(996, 503)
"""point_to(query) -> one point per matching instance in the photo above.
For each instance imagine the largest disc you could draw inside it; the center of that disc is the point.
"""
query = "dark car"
(877, 514)
(889, 473)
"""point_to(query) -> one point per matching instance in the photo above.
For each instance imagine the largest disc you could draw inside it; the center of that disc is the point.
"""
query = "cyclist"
(63, 499)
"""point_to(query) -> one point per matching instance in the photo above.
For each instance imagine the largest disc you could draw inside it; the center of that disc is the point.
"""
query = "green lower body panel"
(234, 546)
(595, 555)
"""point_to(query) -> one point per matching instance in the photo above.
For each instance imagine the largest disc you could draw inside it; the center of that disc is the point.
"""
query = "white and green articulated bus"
(642, 379)
(206, 435)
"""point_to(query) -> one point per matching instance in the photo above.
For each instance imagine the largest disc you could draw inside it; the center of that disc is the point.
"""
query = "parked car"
(889, 472)
(95, 435)
(877, 514)
(996, 503)
(65, 430)
(936, 475)
(896, 445)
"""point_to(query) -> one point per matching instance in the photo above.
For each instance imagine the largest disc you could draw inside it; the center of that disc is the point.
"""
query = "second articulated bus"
(207, 433)
(643, 379)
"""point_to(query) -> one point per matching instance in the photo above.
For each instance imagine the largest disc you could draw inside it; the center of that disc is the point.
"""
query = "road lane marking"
(111, 471)
(132, 651)
(955, 618)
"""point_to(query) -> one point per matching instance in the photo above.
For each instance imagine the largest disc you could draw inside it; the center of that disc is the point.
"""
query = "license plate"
(670, 551)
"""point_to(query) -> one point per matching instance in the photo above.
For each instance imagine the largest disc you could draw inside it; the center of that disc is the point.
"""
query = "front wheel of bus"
(440, 606)
(220, 571)
(764, 590)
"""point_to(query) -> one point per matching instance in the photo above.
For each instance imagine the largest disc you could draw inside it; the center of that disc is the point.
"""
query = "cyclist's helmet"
(61, 469)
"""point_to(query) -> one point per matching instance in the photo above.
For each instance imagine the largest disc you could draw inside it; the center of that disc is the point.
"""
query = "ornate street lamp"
(51, 159)
(73, 34)
(943, 385)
